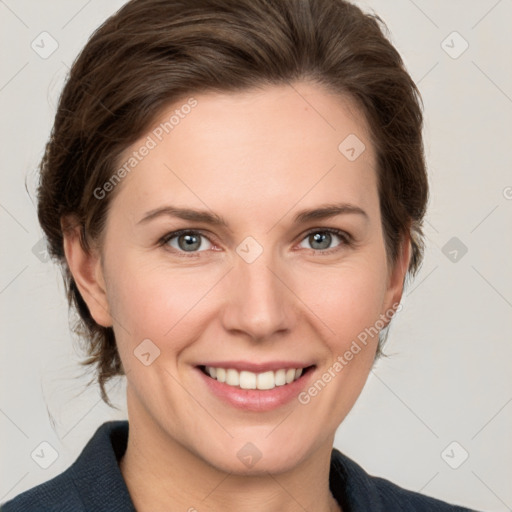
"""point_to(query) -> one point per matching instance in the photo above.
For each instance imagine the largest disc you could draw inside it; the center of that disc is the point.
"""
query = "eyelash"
(346, 240)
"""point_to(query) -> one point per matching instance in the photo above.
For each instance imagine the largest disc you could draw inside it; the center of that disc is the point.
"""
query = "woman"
(235, 190)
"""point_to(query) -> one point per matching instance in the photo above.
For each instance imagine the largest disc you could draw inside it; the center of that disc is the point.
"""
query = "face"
(247, 244)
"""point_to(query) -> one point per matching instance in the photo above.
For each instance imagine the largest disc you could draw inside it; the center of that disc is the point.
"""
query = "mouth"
(262, 381)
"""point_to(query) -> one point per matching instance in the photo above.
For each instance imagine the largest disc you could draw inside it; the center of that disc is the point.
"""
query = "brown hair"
(152, 52)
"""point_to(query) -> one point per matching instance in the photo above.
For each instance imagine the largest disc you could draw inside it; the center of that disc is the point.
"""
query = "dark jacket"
(94, 483)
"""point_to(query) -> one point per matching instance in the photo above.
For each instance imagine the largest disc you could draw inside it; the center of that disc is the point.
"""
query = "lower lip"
(254, 399)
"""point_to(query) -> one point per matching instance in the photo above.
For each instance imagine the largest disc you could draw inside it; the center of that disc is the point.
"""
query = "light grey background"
(449, 375)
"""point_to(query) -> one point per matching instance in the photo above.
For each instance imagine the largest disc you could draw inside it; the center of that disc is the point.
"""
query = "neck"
(162, 474)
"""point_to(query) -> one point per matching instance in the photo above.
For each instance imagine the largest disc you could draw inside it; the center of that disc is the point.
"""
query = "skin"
(256, 158)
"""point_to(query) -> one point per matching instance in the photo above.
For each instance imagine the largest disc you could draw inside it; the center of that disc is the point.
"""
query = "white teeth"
(221, 374)
(290, 375)
(266, 380)
(280, 378)
(247, 380)
(251, 380)
(232, 377)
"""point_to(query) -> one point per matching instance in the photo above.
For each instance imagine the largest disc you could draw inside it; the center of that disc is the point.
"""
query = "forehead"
(267, 147)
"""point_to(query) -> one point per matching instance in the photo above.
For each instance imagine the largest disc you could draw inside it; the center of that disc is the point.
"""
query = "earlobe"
(85, 266)
(397, 275)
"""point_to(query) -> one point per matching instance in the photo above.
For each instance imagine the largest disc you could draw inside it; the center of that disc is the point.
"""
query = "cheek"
(155, 301)
(348, 299)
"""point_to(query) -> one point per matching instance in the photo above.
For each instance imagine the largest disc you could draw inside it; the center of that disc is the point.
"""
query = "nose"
(258, 302)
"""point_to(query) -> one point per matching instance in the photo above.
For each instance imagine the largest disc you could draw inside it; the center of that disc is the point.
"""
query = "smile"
(250, 380)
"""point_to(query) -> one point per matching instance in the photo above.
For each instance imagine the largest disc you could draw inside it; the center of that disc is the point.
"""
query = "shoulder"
(357, 490)
(58, 494)
(92, 482)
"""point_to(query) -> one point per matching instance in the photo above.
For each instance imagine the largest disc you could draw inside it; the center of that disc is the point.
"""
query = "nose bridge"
(258, 304)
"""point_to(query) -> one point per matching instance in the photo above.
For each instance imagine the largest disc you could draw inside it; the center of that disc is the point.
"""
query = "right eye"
(187, 241)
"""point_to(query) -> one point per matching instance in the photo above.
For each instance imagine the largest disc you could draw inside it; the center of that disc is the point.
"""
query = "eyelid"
(347, 239)
(340, 232)
(164, 240)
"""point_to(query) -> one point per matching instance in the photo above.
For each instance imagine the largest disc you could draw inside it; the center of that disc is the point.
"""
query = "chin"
(256, 457)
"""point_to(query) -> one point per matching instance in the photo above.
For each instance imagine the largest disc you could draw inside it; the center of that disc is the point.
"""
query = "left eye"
(188, 241)
(322, 239)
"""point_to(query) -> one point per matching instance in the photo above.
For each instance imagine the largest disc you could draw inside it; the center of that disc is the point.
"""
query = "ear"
(85, 266)
(396, 278)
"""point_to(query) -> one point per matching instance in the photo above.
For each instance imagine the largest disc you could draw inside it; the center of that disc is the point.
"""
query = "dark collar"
(96, 473)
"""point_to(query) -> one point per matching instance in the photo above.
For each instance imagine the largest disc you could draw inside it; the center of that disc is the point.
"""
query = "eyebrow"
(185, 214)
(327, 211)
(322, 212)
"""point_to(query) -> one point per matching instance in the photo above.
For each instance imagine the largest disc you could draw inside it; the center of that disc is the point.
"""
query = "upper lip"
(257, 367)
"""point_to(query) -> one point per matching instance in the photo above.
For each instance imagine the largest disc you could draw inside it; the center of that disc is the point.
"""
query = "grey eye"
(320, 240)
(189, 242)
